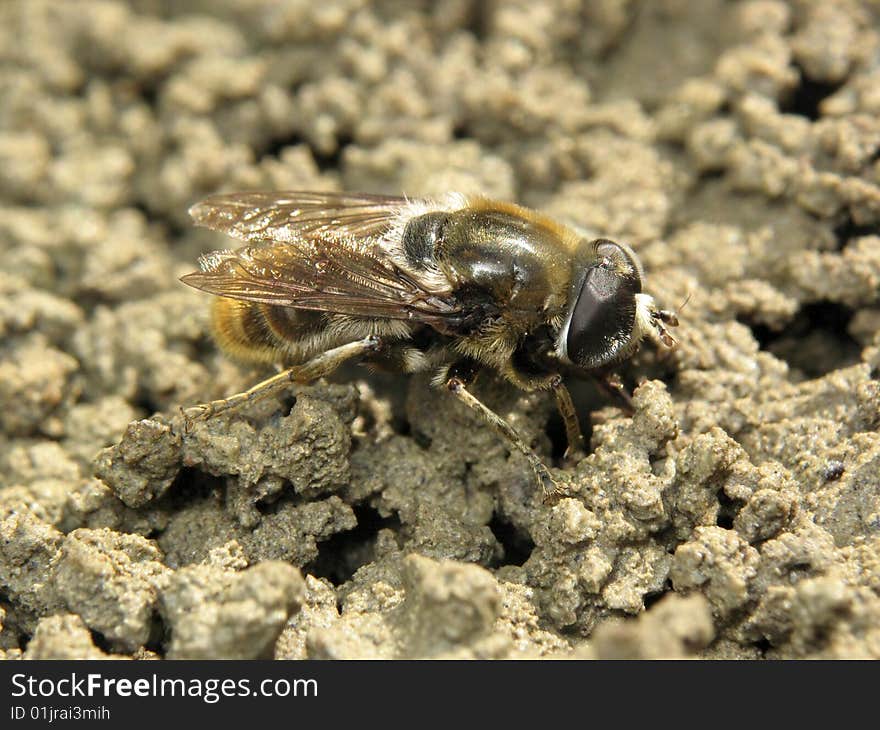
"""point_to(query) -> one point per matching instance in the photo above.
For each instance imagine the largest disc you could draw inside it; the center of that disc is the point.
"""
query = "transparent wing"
(286, 216)
(327, 253)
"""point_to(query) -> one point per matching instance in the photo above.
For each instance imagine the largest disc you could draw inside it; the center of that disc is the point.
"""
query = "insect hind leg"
(549, 486)
(317, 367)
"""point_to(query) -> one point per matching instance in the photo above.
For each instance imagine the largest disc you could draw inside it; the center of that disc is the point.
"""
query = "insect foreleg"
(573, 434)
(548, 485)
(317, 367)
(613, 387)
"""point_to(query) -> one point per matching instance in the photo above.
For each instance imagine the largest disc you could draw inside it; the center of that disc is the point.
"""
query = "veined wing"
(287, 216)
(326, 253)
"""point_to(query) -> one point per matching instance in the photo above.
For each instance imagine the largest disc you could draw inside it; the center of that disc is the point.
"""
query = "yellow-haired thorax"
(520, 261)
(568, 237)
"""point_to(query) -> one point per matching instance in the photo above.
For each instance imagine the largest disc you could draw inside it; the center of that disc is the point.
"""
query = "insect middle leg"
(456, 386)
(317, 367)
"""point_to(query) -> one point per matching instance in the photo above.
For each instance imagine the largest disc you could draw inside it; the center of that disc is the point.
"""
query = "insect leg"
(566, 408)
(612, 386)
(548, 485)
(317, 367)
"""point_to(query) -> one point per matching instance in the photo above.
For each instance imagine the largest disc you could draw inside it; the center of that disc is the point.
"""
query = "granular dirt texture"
(735, 513)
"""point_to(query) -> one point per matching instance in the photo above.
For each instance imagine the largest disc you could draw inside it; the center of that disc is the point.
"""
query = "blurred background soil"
(736, 514)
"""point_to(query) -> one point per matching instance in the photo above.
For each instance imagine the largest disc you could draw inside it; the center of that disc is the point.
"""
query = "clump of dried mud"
(736, 147)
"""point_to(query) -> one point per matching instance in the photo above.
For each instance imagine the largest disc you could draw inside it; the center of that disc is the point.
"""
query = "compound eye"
(621, 258)
(603, 317)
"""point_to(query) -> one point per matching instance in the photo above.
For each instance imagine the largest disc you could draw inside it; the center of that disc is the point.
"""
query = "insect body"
(448, 286)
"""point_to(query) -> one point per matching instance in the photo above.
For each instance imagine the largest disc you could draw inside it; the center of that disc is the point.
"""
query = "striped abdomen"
(253, 332)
